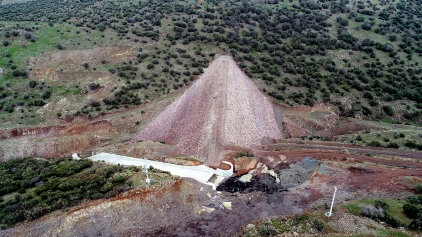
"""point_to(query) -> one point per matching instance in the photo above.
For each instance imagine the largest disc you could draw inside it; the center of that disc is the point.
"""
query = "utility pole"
(329, 214)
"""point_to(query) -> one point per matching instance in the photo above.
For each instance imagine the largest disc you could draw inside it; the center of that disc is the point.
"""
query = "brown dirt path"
(349, 147)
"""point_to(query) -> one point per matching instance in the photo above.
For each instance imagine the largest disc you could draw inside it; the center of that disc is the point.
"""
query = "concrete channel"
(201, 173)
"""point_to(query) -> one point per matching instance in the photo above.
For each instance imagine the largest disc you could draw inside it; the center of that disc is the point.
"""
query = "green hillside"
(365, 57)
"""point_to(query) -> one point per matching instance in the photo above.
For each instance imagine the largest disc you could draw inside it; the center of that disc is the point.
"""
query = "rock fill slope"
(222, 108)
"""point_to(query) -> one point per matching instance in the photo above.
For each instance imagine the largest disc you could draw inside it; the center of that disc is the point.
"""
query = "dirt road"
(349, 147)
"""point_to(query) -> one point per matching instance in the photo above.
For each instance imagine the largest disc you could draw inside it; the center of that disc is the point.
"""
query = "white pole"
(332, 203)
(148, 180)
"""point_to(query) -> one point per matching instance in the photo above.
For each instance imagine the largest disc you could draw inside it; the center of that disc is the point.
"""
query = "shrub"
(375, 143)
(388, 110)
(5, 43)
(419, 188)
(381, 204)
(415, 199)
(373, 103)
(94, 86)
(266, 229)
(32, 84)
(411, 144)
(368, 95)
(36, 103)
(18, 73)
(393, 145)
(112, 70)
(373, 212)
(412, 210)
(416, 224)
(46, 95)
(393, 221)
(318, 225)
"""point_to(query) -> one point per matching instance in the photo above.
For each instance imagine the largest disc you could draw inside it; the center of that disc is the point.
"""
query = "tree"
(86, 65)
(5, 43)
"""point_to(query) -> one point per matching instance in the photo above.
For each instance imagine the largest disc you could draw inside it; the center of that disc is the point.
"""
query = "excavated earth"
(223, 107)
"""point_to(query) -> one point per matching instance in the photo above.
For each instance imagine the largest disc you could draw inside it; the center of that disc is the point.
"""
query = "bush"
(412, 210)
(5, 43)
(112, 70)
(419, 188)
(266, 229)
(388, 110)
(373, 212)
(18, 73)
(393, 145)
(416, 224)
(32, 84)
(318, 225)
(411, 144)
(46, 95)
(94, 86)
(375, 143)
(393, 221)
(416, 199)
(381, 204)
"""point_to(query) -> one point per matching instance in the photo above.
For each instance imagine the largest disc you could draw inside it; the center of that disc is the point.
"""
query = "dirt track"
(349, 147)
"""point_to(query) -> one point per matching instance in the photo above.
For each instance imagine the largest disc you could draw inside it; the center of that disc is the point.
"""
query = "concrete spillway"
(201, 173)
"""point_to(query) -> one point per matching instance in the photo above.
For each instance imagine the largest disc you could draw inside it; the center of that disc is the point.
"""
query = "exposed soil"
(72, 60)
(55, 141)
(222, 107)
(346, 148)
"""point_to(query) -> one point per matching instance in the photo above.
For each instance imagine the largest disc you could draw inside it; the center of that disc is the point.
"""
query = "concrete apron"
(201, 173)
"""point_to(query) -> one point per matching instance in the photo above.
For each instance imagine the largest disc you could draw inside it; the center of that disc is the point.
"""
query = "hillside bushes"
(31, 188)
(413, 209)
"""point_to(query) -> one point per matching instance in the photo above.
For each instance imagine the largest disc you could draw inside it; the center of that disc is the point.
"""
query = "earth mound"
(222, 108)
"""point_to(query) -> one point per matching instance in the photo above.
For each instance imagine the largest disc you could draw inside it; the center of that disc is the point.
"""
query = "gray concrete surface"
(201, 173)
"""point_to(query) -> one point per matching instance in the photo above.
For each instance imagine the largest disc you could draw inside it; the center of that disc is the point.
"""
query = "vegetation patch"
(31, 188)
